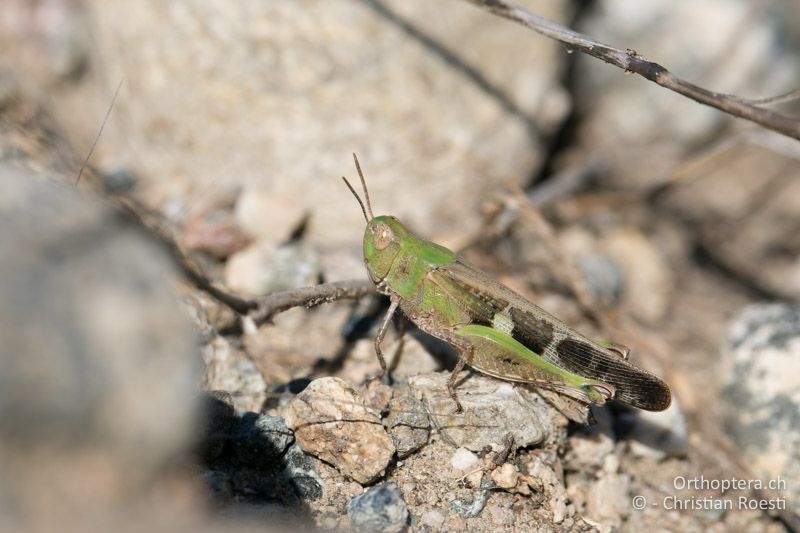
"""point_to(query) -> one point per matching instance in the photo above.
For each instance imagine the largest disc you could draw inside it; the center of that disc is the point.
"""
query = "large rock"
(763, 348)
(275, 96)
(98, 365)
(492, 409)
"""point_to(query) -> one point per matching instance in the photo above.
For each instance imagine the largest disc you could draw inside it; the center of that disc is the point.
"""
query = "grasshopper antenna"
(364, 185)
(352, 190)
(99, 133)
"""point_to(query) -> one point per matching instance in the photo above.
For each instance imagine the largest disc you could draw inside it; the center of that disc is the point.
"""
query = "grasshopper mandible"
(495, 330)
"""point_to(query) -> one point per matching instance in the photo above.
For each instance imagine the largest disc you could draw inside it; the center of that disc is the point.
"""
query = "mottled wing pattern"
(546, 335)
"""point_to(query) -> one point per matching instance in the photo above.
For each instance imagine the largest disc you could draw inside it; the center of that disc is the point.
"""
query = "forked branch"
(630, 61)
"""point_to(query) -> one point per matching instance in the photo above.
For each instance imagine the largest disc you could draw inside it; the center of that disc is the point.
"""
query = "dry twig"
(272, 304)
(630, 61)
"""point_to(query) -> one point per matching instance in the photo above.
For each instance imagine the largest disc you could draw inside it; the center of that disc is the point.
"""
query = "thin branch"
(272, 304)
(779, 99)
(630, 61)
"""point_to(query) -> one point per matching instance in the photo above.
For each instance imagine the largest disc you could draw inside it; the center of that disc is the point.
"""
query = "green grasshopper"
(495, 330)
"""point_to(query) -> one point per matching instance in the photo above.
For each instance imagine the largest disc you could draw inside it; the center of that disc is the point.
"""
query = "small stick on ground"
(272, 304)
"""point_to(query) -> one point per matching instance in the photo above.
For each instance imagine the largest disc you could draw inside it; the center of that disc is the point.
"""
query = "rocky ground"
(131, 398)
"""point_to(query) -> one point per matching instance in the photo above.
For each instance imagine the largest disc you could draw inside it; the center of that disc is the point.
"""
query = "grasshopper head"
(382, 240)
(382, 237)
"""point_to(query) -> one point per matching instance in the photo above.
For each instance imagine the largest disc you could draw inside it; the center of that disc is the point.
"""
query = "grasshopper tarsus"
(464, 353)
(451, 389)
(459, 408)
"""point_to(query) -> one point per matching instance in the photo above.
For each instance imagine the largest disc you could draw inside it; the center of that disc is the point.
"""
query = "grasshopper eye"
(383, 236)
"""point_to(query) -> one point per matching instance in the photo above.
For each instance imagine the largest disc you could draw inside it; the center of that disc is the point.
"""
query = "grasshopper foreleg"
(387, 319)
(401, 335)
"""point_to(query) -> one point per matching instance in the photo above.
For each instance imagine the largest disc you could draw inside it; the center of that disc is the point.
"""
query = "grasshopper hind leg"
(465, 351)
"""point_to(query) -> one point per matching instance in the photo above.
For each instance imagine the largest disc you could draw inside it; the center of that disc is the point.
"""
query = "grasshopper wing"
(492, 304)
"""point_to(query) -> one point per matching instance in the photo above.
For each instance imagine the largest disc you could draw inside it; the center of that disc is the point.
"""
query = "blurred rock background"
(234, 124)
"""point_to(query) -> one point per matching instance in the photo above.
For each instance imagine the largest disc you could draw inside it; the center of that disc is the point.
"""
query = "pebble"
(380, 509)
(603, 276)
(762, 349)
(587, 452)
(120, 181)
(474, 478)
(408, 423)
(299, 469)
(230, 369)
(492, 408)
(260, 440)
(475, 502)
(464, 460)
(213, 232)
(505, 476)
(607, 500)
(644, 271)
(263, 268)
(553, 487)
(377, 395)
(263, 216)
(501, 516)
(331, 422)
(433, 519)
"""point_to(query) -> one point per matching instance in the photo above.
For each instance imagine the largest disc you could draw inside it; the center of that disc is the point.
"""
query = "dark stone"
(299, 470)
(381, 508)
(218, 418)
(260, 440)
